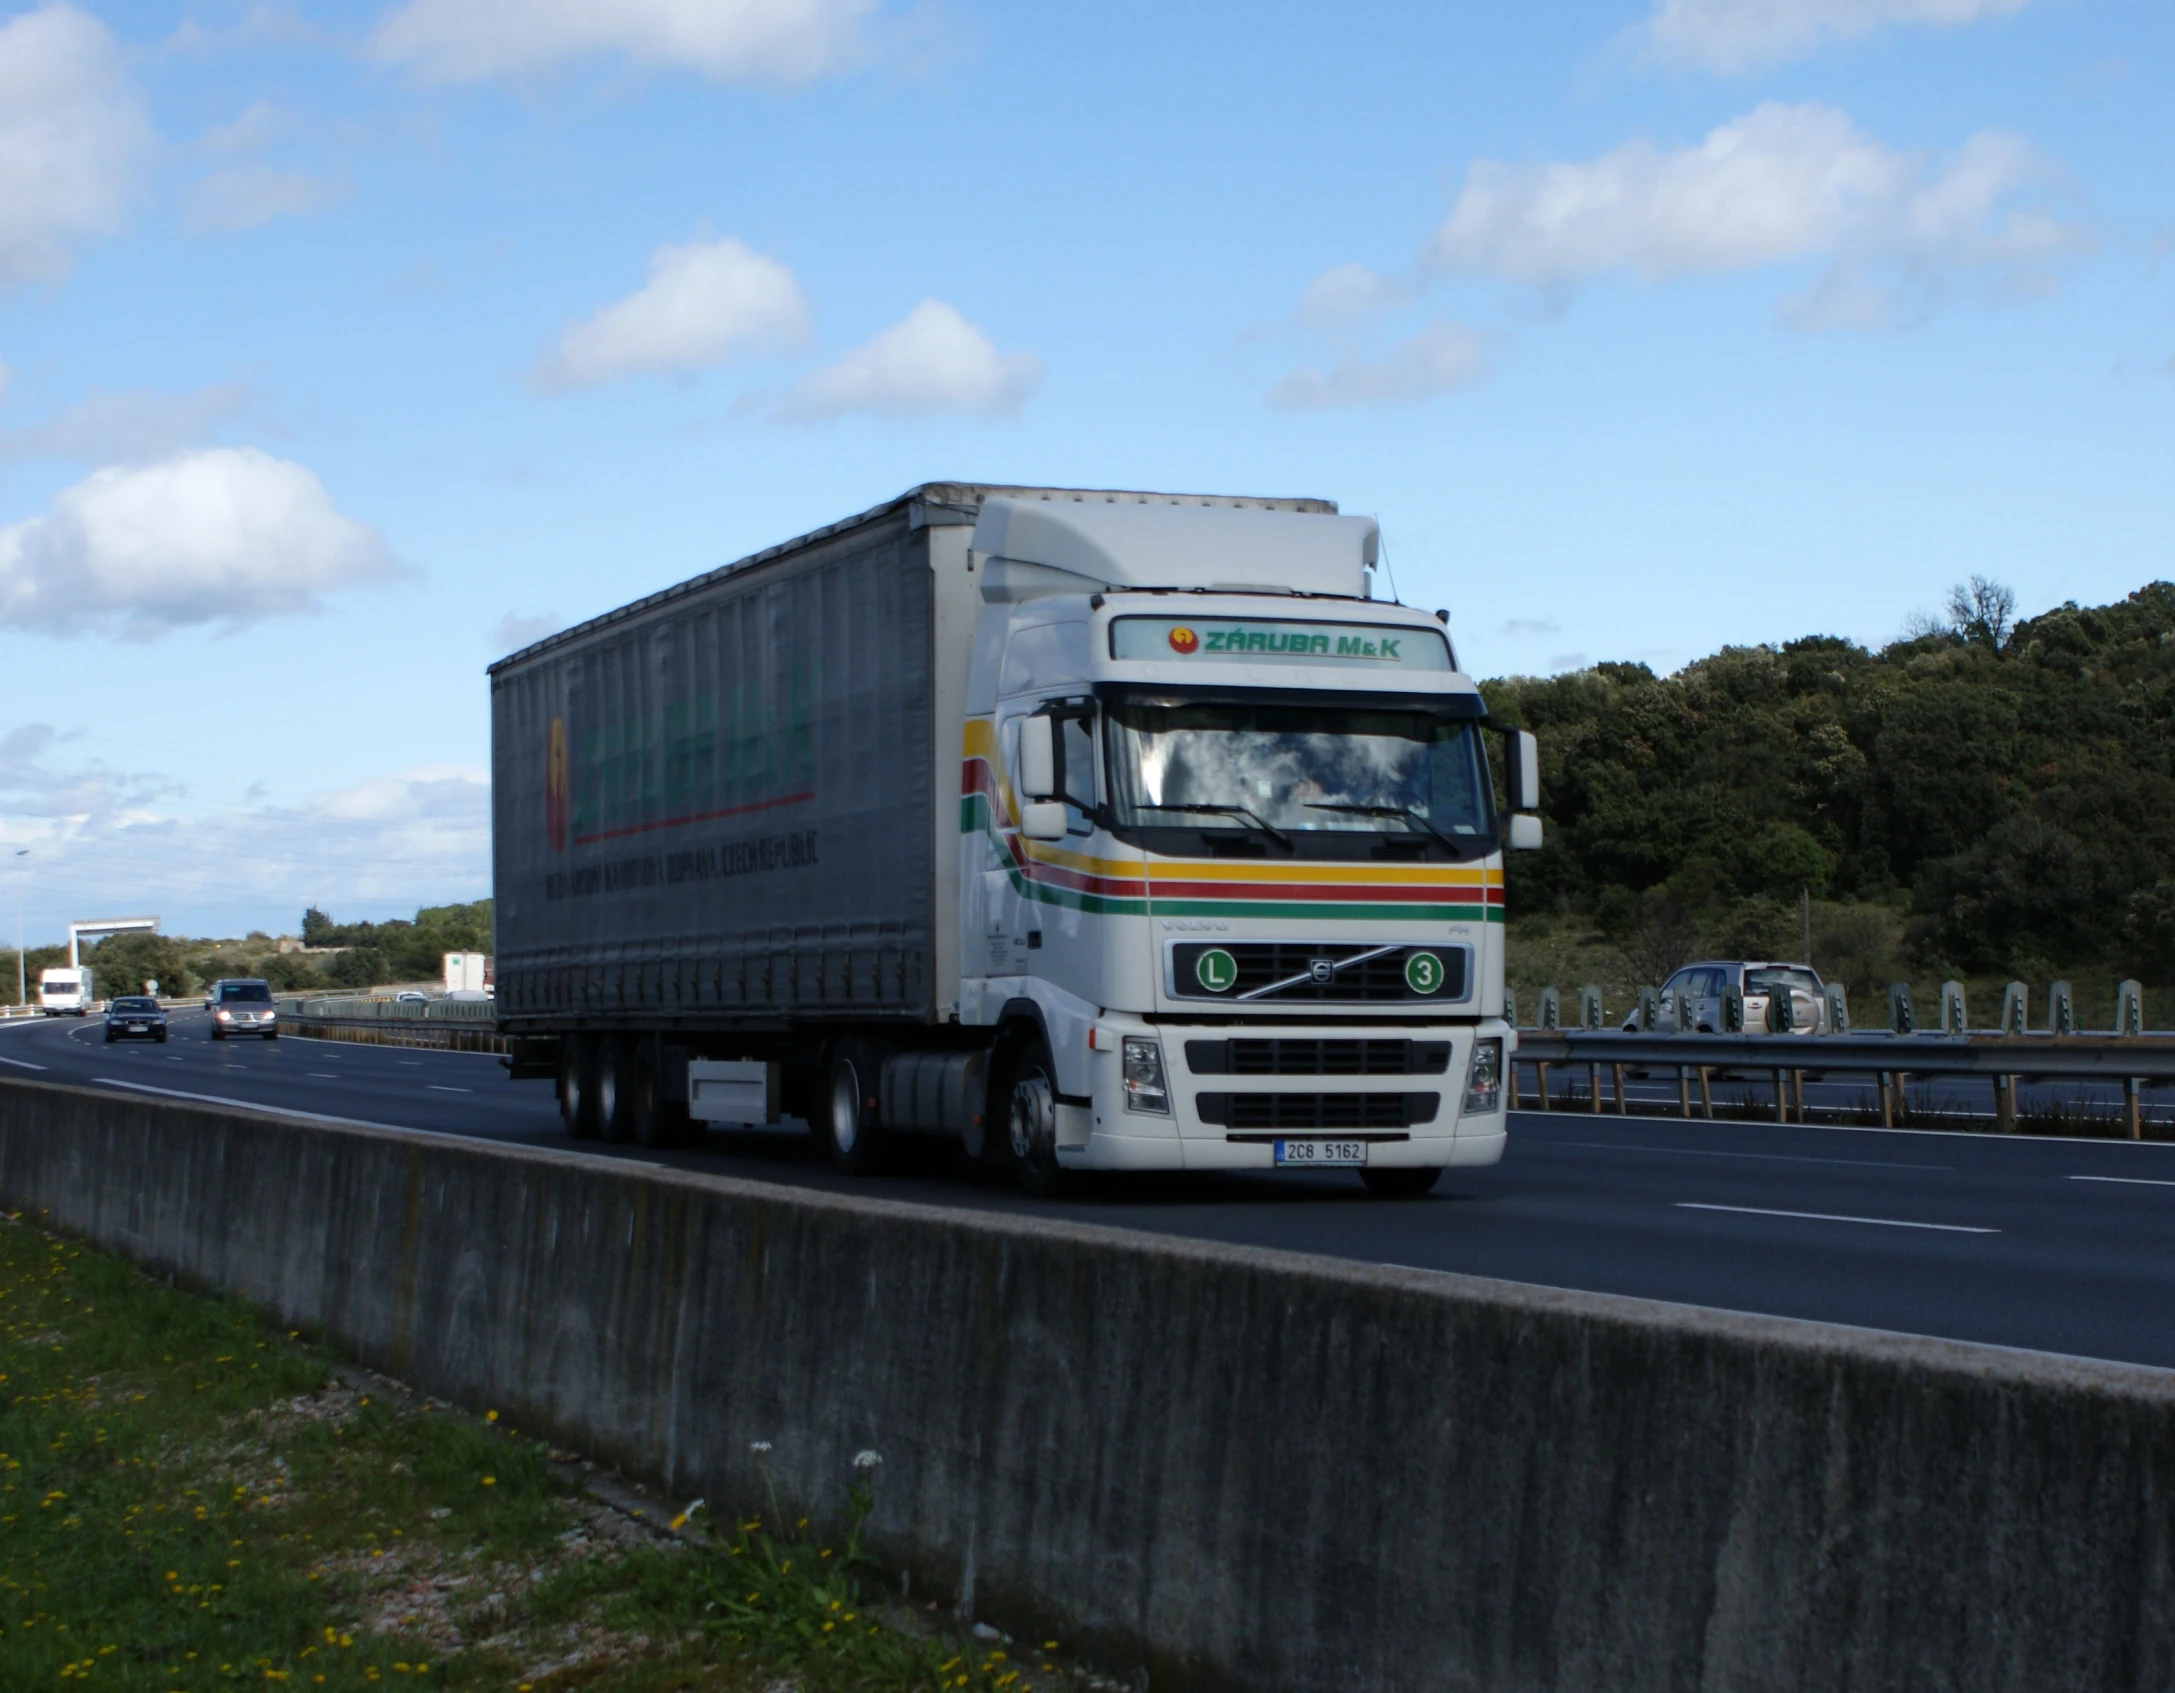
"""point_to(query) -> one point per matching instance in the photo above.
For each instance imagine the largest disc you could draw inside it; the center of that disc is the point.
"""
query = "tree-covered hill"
(2006, 795)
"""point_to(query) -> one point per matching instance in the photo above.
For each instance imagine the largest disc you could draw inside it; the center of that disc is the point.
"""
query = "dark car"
(135, 1015)
(244, 1007)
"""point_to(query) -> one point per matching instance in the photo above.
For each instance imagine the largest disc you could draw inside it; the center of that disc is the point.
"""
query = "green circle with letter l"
(1423, 972)
(1216, 970)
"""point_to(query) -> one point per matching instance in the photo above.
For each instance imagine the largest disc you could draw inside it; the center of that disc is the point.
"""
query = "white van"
(65, 991)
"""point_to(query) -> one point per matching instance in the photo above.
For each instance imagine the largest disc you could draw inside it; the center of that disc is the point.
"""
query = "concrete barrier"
(1231, 1468)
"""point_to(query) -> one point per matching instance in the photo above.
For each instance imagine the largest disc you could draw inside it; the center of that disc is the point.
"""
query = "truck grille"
(1317, 1110)
(1317, 1057)
(1318, 972)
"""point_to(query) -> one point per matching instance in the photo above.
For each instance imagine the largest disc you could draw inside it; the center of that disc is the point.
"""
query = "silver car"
(243, 1007)
(1704, 985)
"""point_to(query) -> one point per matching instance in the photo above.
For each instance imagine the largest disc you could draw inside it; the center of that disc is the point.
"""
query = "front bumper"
(137, 1029)
(1221, 1120)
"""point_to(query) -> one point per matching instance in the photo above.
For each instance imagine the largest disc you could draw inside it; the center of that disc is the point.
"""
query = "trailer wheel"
(578, 1086)
(658, 1122)
(1032, 1123)
(615, 1087)
(845, 1120)
(1400, 1181)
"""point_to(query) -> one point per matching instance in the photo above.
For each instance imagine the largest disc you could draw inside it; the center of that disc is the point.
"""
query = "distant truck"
(1090, 830)
(468, 972)
(64, 990)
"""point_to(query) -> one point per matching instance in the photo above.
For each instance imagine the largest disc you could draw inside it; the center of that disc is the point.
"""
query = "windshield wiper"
(1406, 812)
(1263, 824)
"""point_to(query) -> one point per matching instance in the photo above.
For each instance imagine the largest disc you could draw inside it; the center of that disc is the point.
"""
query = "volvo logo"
(1322, 970)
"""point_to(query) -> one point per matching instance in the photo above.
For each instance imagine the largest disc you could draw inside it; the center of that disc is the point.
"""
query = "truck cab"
(1231, 864)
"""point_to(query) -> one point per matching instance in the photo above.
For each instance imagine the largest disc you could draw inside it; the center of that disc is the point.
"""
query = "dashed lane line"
(1831, 1217)
(1764, 1157)
(436, 1088)
(22, 1064)
(2126, 1181)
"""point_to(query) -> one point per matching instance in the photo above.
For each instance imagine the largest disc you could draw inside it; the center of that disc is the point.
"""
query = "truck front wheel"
(1032, 1123)
(845, 1122)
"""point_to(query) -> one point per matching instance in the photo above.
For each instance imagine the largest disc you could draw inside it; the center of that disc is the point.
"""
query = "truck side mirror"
(1525, 832)
(1038, 760)
(1521, 770)
(1043, 819)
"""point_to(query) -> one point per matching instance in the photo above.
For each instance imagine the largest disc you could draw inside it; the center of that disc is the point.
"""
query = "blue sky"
(347, 347)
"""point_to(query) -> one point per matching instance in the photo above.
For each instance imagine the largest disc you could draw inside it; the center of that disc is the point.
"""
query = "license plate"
(139, 1028)
(1321, 1152)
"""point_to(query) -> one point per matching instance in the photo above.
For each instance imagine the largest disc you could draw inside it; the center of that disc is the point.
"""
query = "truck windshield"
(1322, 769)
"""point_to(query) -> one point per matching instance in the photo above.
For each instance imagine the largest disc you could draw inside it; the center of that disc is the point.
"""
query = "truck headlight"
(1145, 1089)
(1484, 1083)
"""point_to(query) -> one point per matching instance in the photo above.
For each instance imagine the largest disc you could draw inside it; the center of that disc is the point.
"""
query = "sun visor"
(1037, 547)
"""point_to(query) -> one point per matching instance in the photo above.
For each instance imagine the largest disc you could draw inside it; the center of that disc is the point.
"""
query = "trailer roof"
(928, 505)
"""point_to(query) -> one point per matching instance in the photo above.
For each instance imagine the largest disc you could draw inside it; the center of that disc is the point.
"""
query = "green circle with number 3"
(1423, 972)
(1216, 970)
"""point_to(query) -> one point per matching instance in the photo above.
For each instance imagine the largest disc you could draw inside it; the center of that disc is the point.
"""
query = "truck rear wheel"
(578, 1086)
(1400, 1181)
(615, 1087)
(845, 1121)
(658, 1122)
(1031, 1122)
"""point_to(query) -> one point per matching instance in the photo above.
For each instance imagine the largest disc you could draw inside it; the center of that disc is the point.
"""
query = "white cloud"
(386, 844)
(246, 196)
(219, 535)
(72, 138)
(1442, 358)
(519, 629)
(1349, 291)
(704, 303)
(1532, 626)
(1737, 35)
(106, 428)
(1780, 184)
(777, 41)
(932, 360)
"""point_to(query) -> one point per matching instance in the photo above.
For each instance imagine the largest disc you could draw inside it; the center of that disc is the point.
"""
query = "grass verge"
(189, 1500)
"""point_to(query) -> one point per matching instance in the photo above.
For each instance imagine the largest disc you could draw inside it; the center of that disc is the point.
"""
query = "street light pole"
(22, 992)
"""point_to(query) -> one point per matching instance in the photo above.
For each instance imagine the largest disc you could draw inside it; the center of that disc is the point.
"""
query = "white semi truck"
(1092, 830)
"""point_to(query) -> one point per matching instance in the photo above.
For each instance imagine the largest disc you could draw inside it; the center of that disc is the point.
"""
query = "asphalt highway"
(2063, 1246)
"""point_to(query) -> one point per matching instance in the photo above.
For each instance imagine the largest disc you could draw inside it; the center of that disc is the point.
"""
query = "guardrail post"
(2015, 1008)
(2005, 1104)
(1900, 1020)
(1684, 1093)
(1551, 1009)
(1782, 1100)
(1706, 1095)
(1887, 1098)
(1649, 1010)
(1623, 1106)
(1954, 1020)
(2129, 1108)
(1590, 1013)
(1838, 1009)
(2061, 1010)
(1733, 1011)
(1781, 1016)
(2129, 1010)
(1510, 1006)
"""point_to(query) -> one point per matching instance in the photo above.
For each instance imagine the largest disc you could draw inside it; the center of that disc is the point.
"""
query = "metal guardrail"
(362, 1008)
(2128, 1060)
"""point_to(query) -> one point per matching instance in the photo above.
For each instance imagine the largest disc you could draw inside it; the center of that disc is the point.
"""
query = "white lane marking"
(2127, 1181)
(436, 1088)
(1831, 1217)
(409, 1063)
(22, 1063)
(322, 1075)
(257, 1105)
(1765, 1157)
